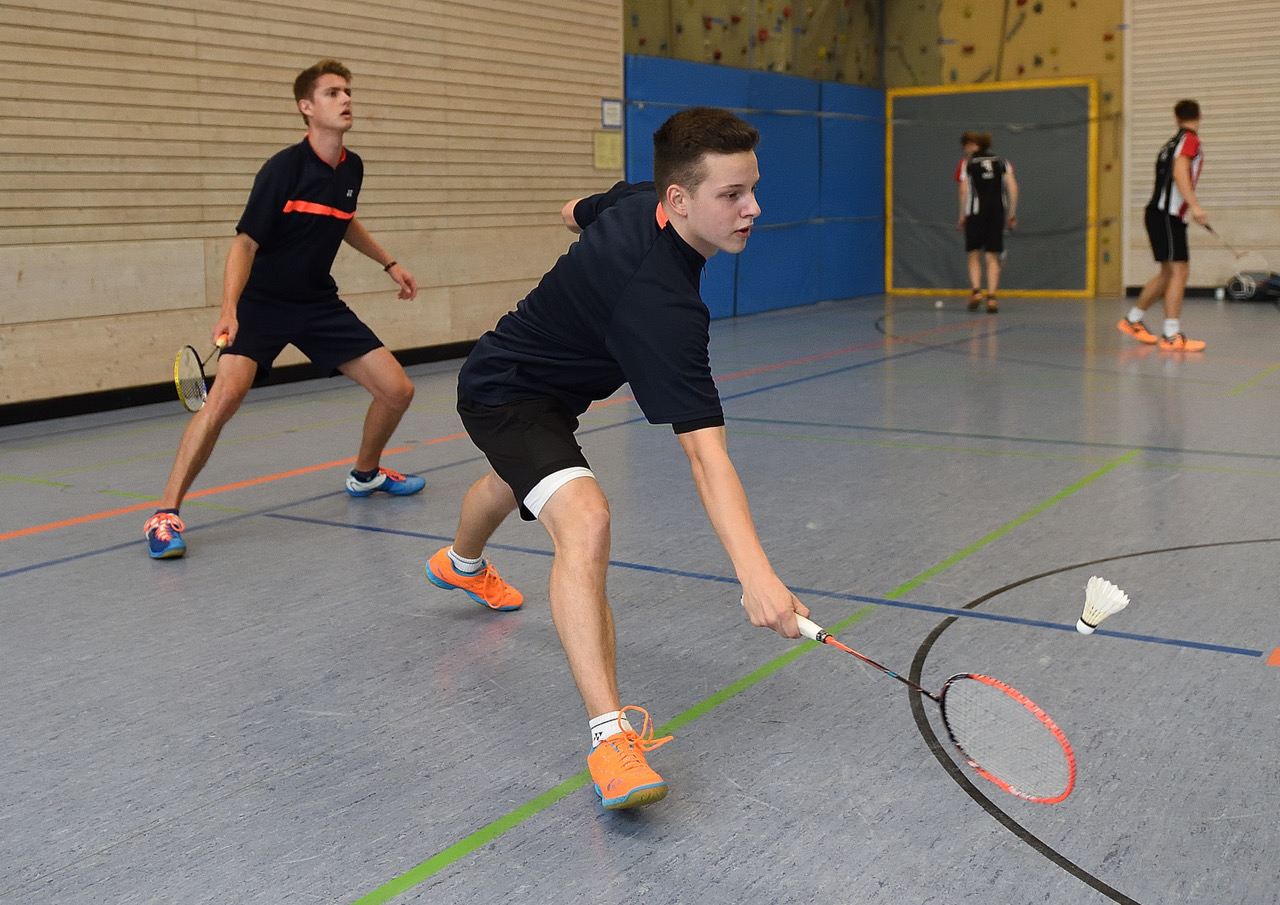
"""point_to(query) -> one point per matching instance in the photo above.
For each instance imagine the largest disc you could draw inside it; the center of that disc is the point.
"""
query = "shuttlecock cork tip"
(1101, 599)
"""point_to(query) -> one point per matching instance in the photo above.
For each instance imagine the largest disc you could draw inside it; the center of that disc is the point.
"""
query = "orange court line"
(1274, 659)
(82, 519)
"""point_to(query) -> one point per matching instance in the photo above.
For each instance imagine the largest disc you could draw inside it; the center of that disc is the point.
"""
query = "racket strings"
(189, 376)
(1008, 738)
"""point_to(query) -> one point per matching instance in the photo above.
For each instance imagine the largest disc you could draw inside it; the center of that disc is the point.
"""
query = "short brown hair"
(686, 137)
(305, 84)
(1185, 111)
(981, 139)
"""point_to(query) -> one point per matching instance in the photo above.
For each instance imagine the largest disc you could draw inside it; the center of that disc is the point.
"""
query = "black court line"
(942, 752)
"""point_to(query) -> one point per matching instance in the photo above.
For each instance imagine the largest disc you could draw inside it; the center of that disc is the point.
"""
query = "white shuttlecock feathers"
(1101, 599)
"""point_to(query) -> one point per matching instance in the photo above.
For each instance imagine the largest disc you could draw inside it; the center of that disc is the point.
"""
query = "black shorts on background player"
(1168, 235)
(985, 232)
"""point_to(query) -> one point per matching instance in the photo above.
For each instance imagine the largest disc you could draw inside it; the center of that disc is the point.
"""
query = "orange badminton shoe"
(1179, 343)
(484, 587)
(1137, 330)
(623, 779)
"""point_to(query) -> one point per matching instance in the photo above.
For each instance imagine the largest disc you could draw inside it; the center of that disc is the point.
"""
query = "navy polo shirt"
(298, 212)
(621, 306)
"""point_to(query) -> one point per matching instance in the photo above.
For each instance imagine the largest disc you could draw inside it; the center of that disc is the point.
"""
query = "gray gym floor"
(293, 714)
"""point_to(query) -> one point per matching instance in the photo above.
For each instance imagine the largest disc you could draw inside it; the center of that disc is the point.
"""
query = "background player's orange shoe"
(1179, 343)
(1137, 329)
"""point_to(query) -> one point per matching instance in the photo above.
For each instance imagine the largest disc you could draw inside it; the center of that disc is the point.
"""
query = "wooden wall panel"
(133, 131)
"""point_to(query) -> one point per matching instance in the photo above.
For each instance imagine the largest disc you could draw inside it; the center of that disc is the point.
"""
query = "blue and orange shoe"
(622, 777)
(387, 481)
(164, 535)
(484, 587)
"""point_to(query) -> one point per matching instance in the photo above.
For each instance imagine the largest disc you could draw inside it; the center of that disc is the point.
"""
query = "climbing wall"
(954, 43)
(827, 40)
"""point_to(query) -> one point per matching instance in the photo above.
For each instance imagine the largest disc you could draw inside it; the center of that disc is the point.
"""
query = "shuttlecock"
(1101, 599)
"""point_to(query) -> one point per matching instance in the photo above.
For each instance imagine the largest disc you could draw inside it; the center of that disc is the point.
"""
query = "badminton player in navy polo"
(277, 289)
(621, 306)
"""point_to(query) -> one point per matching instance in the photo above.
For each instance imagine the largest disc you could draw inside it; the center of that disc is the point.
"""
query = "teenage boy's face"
(723, 207)
(329, 107)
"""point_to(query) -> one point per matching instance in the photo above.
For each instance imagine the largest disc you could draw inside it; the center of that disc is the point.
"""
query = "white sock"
(466, 566)
(607, 724)
(1135, 314)
(1172, 326)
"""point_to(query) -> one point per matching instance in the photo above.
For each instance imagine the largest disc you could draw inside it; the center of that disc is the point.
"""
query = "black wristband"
(389, 266)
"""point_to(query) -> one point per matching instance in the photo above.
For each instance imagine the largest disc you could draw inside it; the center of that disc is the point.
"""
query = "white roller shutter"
(1226, 55)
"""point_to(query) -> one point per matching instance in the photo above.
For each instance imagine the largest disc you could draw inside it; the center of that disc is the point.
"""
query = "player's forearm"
(235, 273)
(725, 502)
(359, 238)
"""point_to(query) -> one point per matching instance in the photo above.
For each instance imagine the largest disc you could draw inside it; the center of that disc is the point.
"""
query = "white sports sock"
(1135, 314)
(1172, 326)
(607, 724)
(466, 566)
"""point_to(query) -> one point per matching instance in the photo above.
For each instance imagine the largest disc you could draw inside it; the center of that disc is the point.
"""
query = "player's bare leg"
(577, 518)
(235, 377)
(392, 391)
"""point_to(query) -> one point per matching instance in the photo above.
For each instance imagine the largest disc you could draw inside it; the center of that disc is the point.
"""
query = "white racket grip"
(810, 629)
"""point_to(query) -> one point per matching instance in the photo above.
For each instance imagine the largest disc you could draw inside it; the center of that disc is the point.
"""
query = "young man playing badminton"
(277, 289)
(988, 205)
(1177, 172)
(622, 305)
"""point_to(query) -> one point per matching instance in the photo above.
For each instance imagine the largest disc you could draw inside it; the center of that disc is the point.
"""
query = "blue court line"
(954, 435)
(893, 356)
(799, 592)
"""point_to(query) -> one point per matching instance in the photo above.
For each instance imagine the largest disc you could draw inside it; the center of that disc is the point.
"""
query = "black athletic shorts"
(1168, 236)
(984, 232)
(524, 441)
(328, 333)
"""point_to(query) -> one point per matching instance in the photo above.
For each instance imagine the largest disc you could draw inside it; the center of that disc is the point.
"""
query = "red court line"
(82, 519)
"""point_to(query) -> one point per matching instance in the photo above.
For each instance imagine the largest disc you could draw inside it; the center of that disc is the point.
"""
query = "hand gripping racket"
(997, 730)
(189, 376)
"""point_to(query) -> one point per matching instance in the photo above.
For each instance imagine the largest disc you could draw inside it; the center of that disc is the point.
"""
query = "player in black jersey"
(277, 289)
(622, 305)
(988, 205)
(1172, 200)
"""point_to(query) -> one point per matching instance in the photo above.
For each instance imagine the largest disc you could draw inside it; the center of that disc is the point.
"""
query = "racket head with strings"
(1007, 738)
(189, 376)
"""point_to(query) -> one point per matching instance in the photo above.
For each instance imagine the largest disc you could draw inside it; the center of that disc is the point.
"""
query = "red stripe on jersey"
(323, 210)
(661, 216)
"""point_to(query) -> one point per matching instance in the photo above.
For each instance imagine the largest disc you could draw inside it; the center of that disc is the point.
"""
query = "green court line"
(1248, 383)
(15, 479)
(1009, 526)
(492, 831)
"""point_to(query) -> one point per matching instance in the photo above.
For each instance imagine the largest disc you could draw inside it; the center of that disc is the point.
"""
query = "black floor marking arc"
(942, 752)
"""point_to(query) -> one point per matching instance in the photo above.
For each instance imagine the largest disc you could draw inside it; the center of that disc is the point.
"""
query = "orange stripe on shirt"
(310, 207)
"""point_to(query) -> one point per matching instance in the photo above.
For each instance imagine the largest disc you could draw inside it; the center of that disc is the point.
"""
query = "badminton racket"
(997, 730)
(189, 376)
(1214, 233)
